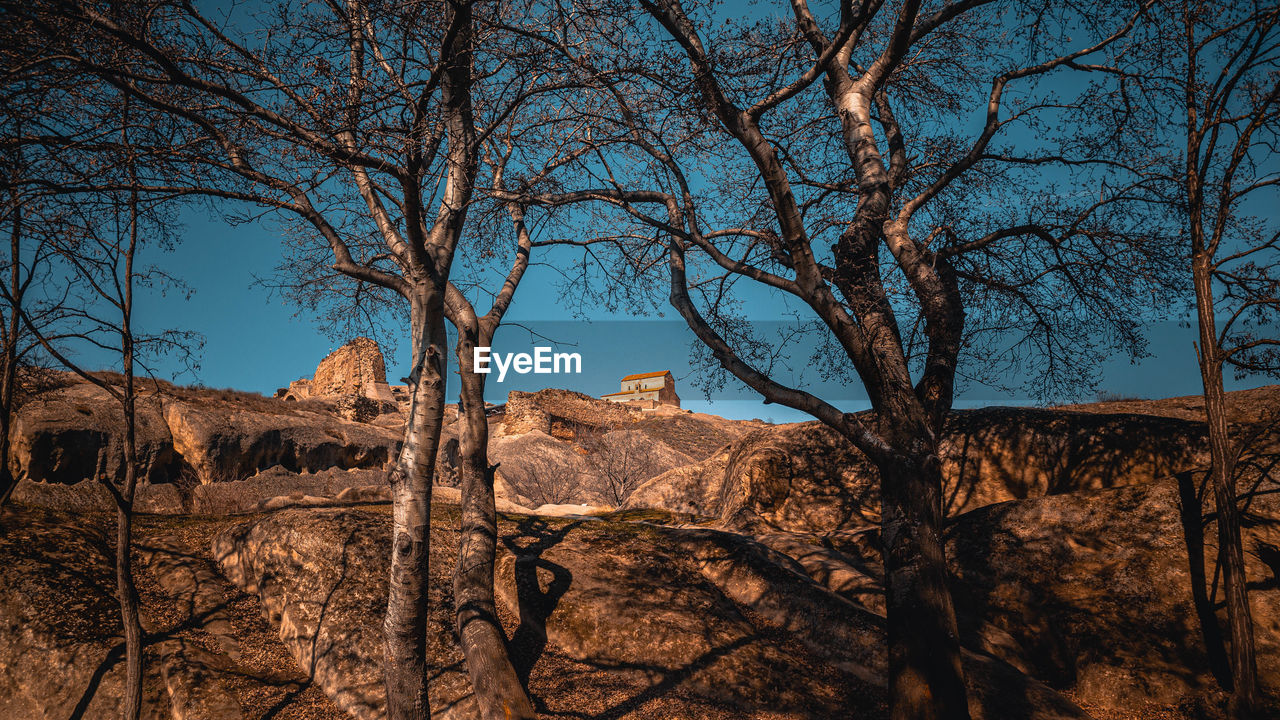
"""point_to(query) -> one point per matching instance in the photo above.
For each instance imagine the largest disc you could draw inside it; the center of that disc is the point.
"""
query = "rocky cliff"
(804, 477)
(187, 437)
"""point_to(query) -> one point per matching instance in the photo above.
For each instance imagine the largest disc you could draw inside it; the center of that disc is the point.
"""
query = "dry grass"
(1244, 407)
(240, 399)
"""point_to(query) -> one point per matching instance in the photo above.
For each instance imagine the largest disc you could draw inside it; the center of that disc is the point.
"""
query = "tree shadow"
(529, 641)
(114, 656)
(1194, 520)
(998, 454)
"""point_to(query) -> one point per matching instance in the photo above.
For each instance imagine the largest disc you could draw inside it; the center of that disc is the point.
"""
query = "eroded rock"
(75, 433)
(227, 443)
(322, 579)
(708, 619)
(805, 477)
(1092, 591)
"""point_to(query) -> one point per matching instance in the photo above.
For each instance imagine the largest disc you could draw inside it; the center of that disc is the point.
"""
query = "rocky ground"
(742, 580)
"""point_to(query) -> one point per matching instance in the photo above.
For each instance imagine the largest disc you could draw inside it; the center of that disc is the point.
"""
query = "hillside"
(741, 578)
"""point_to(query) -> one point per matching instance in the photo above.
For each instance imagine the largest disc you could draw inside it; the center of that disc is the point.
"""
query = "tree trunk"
(9, 376)
(8, 383)
(125, 586)
(926, 679)
(405, 652)
(126, 590)
(1244, 667)
(127, 593)
(497, 687)
(7, 481)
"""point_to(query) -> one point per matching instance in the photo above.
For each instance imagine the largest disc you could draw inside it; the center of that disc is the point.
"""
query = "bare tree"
(483, 641)
(32, 215)
(619, 461)
(1217, 66)
(358, 124)
(546, 481)
(27, 262)
(96, 250)
(77, 218)
(816, 160)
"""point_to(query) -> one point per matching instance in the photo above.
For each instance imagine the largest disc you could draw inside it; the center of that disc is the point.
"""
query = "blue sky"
(258, 341)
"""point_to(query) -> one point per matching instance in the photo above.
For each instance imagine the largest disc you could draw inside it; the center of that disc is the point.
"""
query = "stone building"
(356, 368)
(647, 390)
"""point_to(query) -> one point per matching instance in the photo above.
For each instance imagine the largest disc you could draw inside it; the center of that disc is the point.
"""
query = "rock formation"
(355, 370)
(1092, 591)
(806, 478)
(74, 433)
(1076, 542)
(351, 369)
(220, 445)
(715, 625)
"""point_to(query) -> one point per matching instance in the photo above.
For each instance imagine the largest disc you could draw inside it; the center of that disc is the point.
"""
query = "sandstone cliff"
(187, 437)
(804, 477)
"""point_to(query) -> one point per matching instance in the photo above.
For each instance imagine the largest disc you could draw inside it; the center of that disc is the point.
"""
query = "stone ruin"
(355, 375)
(561, 413)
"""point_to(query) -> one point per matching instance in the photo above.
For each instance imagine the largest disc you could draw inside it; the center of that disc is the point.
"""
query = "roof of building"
(642, 376)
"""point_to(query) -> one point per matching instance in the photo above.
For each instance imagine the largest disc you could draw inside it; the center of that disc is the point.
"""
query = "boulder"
(560, 412)
(76, 433)
(1093, 591)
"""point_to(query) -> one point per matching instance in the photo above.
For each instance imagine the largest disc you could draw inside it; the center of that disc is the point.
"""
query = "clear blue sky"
(258, 342)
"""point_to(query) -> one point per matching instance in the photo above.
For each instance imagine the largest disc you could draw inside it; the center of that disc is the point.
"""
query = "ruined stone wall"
(560, 409)
(353, 369)
(525, 415)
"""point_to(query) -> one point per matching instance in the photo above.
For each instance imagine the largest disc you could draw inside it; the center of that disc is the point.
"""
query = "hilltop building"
(647, 390)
